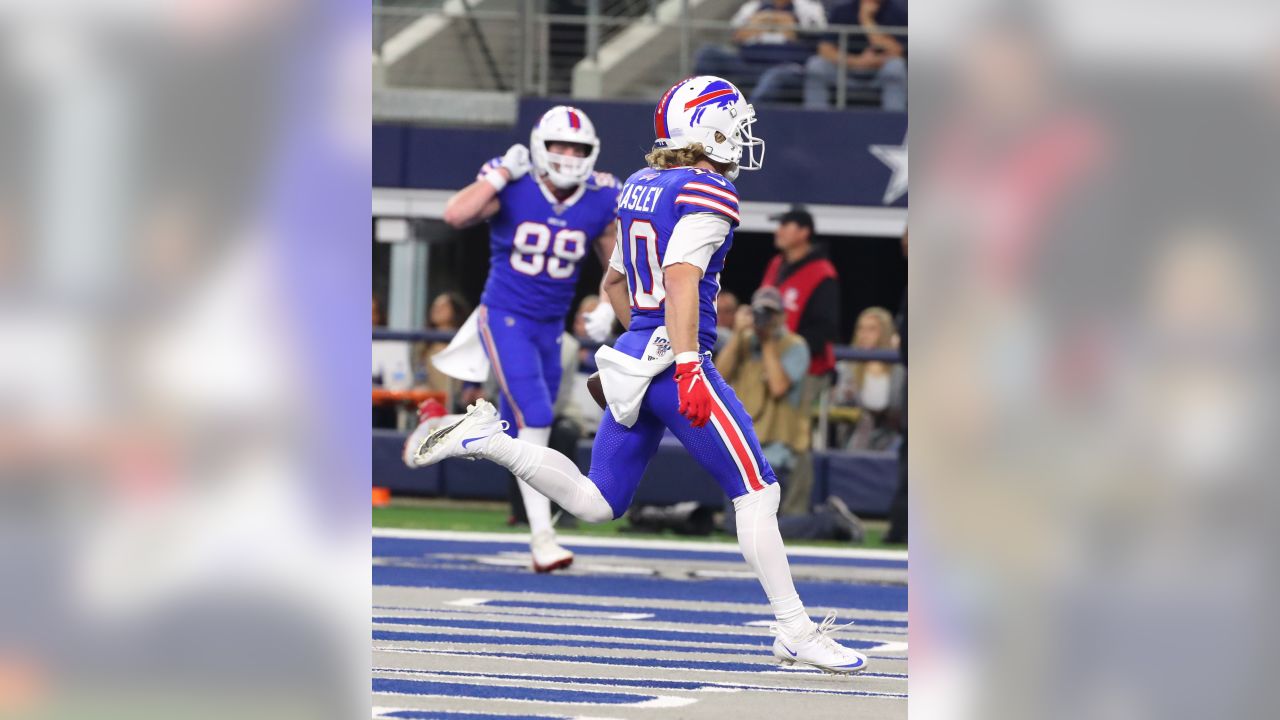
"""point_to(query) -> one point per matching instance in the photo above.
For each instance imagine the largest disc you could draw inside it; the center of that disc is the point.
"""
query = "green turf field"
(432, 514)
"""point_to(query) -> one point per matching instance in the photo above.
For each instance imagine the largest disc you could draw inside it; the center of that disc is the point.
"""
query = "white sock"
(536, 505)
(550, 473)
(761, 543)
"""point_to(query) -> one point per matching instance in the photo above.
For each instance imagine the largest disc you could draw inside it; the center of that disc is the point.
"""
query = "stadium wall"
(800, 145)
(864, 480)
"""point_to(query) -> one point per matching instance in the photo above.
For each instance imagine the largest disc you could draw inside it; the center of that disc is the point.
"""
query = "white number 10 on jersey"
(644, 271)
(529, 254)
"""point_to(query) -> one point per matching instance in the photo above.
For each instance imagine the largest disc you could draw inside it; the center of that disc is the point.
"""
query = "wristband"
(688, 357)
(494, 177)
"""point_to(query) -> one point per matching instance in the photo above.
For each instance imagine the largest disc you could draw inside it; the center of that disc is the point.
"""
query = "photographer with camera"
(765, 364)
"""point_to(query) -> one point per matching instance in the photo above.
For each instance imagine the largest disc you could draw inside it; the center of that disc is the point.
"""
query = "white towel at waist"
(625, 379)
(464, 359)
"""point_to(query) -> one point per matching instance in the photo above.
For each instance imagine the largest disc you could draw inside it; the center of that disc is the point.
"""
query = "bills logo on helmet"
(718, 93)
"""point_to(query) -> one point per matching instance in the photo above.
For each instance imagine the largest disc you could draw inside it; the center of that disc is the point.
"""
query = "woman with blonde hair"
(868, 395)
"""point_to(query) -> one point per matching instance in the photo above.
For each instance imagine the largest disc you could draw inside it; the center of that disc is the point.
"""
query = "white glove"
(516, 161)
(599, 322)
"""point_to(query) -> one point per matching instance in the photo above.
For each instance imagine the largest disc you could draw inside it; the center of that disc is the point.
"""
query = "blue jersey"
(651, 203)
(536, 242)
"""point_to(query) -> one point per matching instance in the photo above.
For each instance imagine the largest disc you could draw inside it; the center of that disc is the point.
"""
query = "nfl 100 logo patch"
(661, 346)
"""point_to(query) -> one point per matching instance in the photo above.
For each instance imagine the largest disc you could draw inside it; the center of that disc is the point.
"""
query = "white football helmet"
(564, 124)
(697, 108)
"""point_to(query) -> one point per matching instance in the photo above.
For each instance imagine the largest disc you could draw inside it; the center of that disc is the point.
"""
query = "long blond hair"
(888, 328)
(681, 157)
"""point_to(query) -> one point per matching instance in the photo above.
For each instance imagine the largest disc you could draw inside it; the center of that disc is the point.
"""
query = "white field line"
(503, 613)
(480, 608)
(708, 685)
(572, 660)
(571, 639)
(651, 701)
(606, 542)
(558, 629)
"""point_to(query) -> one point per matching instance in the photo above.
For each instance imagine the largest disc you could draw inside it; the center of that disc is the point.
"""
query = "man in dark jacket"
(810, 289)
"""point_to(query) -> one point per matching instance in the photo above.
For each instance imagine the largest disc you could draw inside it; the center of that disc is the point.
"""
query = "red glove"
(695, 396)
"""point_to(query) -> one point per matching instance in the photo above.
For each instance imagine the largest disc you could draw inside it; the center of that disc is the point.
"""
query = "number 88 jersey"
(537, 243)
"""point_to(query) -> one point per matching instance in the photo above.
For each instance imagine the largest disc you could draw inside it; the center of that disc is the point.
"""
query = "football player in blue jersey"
(546, 208)
(676, 219)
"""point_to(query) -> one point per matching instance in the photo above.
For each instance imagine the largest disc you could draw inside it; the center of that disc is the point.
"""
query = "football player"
(676, 220)
(546, 207)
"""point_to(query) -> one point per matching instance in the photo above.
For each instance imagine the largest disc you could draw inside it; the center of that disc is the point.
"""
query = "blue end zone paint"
(837, 595)
(667, 663)
(645, 683)
(553, 642)
(577, 630)
(504, 692)
(751, 617)
(419, 547)
(660, 614)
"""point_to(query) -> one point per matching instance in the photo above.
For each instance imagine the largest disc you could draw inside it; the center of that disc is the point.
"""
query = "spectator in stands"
(810, 289)
(768, 47)
(766, 363)
(897, 532)
(876, 61)
(447, 313)
(726, 310)
(873, 388)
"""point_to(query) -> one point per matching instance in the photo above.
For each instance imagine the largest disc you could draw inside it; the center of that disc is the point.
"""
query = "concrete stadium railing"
(507, 47)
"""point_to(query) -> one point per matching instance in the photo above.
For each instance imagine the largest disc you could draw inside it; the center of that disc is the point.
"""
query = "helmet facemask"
(752, 146)
(565, 170)
(563, 124)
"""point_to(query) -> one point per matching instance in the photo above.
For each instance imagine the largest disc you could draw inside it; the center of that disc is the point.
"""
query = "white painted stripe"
(893, 647)
(708, 203)
(579, 566)
(572, 660)
(709, 685)
(701, 187)
(728, 547)
(556, 628)
(519, 613)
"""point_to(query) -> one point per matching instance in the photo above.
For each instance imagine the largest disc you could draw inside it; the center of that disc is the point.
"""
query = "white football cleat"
(547, 553)
(463, 438)
(420, 434)
(817, 649)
